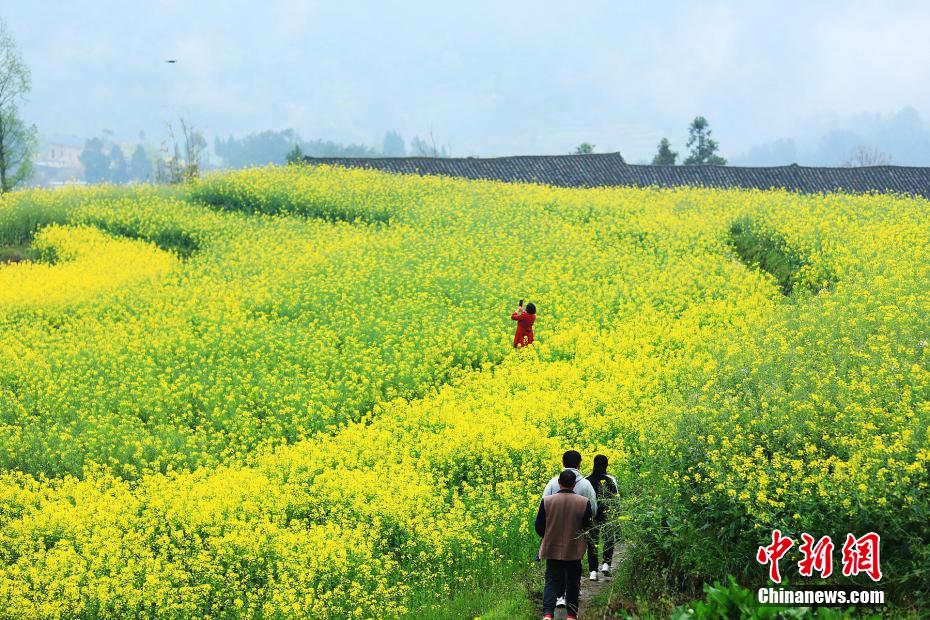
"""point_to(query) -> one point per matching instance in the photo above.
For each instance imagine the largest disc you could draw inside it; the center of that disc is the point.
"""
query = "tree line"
(287, 146)
(105, 162)
(181, 157)
(18, 140)
(702, 149)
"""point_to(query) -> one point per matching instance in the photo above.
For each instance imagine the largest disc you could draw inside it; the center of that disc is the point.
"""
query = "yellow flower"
(286, 390)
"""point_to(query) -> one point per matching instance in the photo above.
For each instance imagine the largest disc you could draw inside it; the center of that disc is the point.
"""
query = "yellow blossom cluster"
(77, 264)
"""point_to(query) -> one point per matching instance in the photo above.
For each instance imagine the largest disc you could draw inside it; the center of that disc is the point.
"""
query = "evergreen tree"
(140, 167)
(585, 148)
(295, 155)
(665, 156)
(96, 163)
(119, 169)
(393, 145)
(703, 149)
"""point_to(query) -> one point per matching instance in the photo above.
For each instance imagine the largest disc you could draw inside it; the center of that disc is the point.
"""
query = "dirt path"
(590, 589)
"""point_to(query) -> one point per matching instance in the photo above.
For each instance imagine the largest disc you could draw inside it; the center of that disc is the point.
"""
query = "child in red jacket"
(525, 319)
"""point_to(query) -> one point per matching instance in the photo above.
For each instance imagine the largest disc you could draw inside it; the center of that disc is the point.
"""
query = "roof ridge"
(610, 169)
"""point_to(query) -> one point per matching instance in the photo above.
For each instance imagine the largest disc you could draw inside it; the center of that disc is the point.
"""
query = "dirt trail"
(590, 589)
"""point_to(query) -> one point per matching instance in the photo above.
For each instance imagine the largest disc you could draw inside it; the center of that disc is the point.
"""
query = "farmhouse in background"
(61, 156)
(59, 163)
(609, 169)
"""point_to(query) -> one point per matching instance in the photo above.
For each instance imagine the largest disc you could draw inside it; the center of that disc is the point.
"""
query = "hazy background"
(779, 82)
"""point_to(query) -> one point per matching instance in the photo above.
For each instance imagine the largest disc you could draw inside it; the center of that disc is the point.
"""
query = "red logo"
(774, 552)
(817, 557)
(860, 555)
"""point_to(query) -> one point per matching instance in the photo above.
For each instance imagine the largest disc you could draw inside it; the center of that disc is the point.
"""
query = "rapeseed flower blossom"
(284, 391)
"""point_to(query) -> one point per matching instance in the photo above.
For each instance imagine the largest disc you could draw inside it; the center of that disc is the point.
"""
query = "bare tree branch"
(865, 156)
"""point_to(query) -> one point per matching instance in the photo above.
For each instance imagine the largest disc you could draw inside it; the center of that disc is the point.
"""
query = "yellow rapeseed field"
(290, 392)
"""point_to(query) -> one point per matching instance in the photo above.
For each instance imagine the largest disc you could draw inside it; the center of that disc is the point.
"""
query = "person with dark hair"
(561, 522)
(525, 319)
(571, 463)
(605, 488)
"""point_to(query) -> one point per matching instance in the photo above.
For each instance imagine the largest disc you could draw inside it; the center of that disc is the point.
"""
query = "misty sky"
(489, 78)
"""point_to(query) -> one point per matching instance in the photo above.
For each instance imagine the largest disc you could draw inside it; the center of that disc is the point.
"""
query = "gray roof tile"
(609, 169)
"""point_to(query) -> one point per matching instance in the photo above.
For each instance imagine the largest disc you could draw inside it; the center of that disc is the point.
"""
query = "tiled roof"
(609, 169)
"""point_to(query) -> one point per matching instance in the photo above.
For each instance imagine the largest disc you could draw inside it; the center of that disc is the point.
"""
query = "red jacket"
(524, 335)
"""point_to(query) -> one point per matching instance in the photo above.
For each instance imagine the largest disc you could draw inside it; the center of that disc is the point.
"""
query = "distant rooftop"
(609, 169)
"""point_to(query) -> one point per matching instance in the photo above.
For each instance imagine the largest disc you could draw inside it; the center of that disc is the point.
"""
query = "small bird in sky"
(171, 62)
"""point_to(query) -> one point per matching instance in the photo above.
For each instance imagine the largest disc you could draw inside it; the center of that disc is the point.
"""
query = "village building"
(58, 163)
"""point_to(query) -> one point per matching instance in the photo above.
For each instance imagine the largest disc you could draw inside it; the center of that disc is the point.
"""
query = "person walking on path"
(605, 488)
(525, 319)
(561, 522)
(571, 462)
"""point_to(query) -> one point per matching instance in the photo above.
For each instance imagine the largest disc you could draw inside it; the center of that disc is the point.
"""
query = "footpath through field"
(591, 589)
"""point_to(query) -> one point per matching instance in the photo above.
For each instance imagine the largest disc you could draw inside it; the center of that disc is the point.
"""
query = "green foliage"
(765, 248)
(703, 149)
(95, 161)
(505, 597)
(272, 147)
(585, 148)
(140, 167)
(119, 169)
(393, 145)
(104, 162)
(280, 190)
(665, 156)
(295, 155)
(18, 140)
(187, 155)
(17, 253)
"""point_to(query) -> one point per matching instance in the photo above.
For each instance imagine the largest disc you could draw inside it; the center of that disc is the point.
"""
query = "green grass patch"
(758, 246)
(507, 596)
(18, 253)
